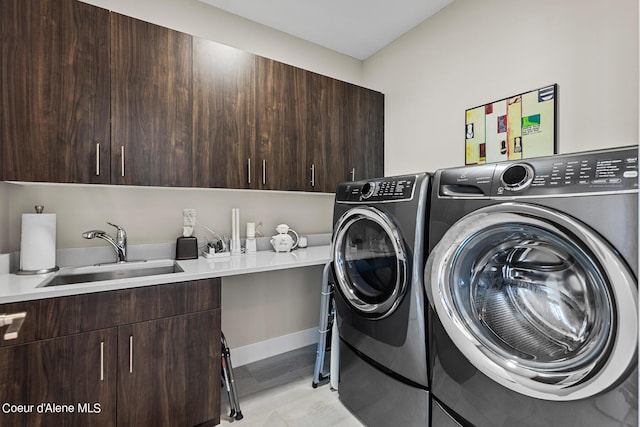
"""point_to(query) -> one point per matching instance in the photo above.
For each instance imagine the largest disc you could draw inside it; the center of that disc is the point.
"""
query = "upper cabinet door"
(281, 118)
(325, 133)
(151, 104)
(54, 91)
(224, 112)
(364, 124)
(345, 133)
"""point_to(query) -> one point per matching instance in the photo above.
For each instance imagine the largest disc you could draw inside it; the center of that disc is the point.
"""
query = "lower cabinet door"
(68, 381)
(169, 371)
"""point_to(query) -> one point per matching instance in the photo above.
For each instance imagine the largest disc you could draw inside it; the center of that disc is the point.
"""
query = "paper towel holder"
(39, 209)
(36, 272)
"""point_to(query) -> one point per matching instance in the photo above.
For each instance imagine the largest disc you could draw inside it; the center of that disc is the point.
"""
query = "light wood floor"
(278, 392)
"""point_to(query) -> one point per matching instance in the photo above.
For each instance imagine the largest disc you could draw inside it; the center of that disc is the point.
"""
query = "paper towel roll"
(38, 243)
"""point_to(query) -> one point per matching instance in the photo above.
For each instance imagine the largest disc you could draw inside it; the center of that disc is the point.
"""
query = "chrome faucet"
(119, 243)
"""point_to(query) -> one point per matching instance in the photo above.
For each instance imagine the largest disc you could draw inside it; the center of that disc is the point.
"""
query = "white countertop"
(16, 288)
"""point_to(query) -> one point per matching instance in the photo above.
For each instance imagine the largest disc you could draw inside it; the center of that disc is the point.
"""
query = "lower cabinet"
(69, 381)
(166, 371)
(157, 364)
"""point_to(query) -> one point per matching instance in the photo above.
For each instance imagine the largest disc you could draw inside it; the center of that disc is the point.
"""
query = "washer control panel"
(596, 171)
(610, 170)
(377, 190)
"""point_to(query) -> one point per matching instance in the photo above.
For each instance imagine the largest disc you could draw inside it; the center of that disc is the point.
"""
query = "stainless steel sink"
(113, 272)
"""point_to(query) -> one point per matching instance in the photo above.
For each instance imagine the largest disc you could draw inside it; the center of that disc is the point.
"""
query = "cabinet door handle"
(97, 159)
(313, 175)
(101, 360)
(14, 321)
(122, 160)
(249, 171)
(264, 172)
(353, 174)
(130, 354)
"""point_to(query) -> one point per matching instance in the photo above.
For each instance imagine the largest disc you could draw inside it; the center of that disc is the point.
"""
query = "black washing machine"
(532, 280)
(378, 261)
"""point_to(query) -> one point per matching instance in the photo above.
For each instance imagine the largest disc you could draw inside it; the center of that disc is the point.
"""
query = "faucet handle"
(115, 225)
(121, 233)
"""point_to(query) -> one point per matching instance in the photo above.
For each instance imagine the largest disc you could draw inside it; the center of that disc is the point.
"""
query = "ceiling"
(358, 28)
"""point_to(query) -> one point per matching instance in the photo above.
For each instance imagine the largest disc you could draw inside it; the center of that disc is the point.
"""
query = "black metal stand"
(227, 377)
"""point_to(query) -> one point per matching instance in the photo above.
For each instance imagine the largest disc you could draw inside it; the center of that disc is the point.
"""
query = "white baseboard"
(272, 347)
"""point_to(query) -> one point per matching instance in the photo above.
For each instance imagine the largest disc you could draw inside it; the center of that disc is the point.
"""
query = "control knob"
(368, 189)
(517, 177)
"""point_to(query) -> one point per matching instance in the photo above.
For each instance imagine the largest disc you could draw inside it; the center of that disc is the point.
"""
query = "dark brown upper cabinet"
(54, 91)
(223, 116)
(90, 96)
(364, 139)
(344, 133)
(249, 118)
(325, 134)
(151, 103)
(281, 117)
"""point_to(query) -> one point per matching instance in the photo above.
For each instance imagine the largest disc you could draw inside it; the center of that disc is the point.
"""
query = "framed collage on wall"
(521, 126)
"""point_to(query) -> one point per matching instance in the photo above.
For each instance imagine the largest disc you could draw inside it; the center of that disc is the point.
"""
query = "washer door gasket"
(536, 301)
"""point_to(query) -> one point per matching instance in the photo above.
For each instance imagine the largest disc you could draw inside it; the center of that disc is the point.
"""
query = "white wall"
(474, 52)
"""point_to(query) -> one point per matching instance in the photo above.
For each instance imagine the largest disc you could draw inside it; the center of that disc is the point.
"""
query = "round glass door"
(370, 262)
(535, 300)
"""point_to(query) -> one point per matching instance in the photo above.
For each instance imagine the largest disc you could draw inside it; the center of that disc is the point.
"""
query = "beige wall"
(201, 20)
(154, 214)
(474, 52)
(264, 305)
(4, 218)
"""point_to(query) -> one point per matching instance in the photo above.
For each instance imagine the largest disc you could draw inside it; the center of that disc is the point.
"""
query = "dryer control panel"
(396, 188)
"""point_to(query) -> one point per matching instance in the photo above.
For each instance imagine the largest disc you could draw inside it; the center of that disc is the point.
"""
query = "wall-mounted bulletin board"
(518, 127)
